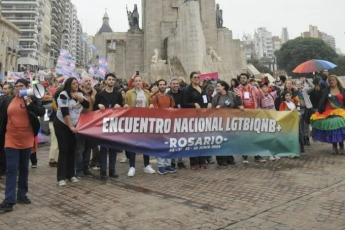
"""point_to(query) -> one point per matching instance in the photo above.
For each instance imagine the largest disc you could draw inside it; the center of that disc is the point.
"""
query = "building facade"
(263, 43)
(9, 46)
(284, 36)
(44, 35)
(24, 14)
(315, 33)
(57, 25)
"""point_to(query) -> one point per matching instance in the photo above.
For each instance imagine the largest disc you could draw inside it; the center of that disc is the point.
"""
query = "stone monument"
(133, 18)
(177, 37)
(219, 17)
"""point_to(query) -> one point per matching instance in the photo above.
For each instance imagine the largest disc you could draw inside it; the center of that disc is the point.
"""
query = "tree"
(298, 50)
(340, 69)
(259, 66)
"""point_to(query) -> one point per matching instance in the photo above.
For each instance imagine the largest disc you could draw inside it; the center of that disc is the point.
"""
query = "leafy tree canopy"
(298, 50)
(340, 69)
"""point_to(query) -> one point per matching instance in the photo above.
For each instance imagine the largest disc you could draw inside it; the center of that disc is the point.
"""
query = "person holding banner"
(177, 94)
(108, 98)
(195, 97)
(18, 127)
(163, 100)
(83, 150)
(250, 96)
(226, 99)
(70, 104)
(140, 98)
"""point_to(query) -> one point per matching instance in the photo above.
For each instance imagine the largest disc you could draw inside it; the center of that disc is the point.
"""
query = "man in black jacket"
(108, 98)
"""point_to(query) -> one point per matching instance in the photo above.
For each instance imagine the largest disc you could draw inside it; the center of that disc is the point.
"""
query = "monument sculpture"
(177, 37)
(133, 18)
(219, 17)
(155, 56)
(214, 55)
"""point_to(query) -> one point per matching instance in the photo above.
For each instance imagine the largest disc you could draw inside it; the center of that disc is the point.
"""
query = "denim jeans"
(17, 161)
(112, 158)
(83, 154)
(163, 162)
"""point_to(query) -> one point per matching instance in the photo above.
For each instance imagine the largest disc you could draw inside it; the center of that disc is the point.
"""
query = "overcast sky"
(238, 15)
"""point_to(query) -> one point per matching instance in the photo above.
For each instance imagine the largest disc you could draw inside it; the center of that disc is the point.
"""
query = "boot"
(334, 150)
(113, 174)
(104, 175)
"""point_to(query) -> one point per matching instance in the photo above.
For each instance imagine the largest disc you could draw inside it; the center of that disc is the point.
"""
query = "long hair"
(339, 83)
(68, 85)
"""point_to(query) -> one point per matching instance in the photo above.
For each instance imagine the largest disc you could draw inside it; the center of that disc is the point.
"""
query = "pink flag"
(211, 76)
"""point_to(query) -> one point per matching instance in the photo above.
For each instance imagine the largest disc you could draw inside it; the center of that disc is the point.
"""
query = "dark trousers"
(197, 160)
(33, 158)
(66, 142)
(17, 162)
(131, 157)
(222, 160)
(2, 162)
(95, 156)
(112, 159)
(83, 154)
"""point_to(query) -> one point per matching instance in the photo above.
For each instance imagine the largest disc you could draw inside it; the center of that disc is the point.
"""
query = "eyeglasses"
(196, 77)
(19, 86)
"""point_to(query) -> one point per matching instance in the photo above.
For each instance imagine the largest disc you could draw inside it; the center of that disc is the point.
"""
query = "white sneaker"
(131, 171)
(272, 158)
(61, 183)
(123, 160)
(277, 158)
(149, 169)
(245, 162)
(74, 180)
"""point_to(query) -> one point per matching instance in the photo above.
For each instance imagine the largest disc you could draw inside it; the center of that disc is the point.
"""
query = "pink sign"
(211, 76)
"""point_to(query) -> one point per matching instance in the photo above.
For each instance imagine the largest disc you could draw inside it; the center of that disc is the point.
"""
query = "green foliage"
(340, 69)
(259, 66)
(298, 50)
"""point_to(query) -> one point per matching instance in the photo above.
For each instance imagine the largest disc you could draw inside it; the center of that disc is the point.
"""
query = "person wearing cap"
(18, 119)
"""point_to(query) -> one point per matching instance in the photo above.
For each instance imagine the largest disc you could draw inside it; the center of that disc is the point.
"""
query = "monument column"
(151, 22)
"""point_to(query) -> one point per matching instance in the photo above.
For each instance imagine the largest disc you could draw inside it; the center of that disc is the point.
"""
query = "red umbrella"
(314, 65)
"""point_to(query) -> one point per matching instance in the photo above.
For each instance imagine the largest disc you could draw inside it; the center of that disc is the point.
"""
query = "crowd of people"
(319, 102)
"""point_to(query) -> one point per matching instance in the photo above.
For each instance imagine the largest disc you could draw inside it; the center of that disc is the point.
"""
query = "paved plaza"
(306, 193)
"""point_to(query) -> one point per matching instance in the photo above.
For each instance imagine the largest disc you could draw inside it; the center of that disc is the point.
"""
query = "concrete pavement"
(305, 193)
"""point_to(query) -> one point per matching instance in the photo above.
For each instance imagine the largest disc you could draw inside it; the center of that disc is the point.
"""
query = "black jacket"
(324, 99)
(34, 109)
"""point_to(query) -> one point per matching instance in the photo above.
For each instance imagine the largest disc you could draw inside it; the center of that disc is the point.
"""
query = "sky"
(242, 17)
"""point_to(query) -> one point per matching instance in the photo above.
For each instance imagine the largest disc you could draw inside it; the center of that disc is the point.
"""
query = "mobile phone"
(137, 72)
